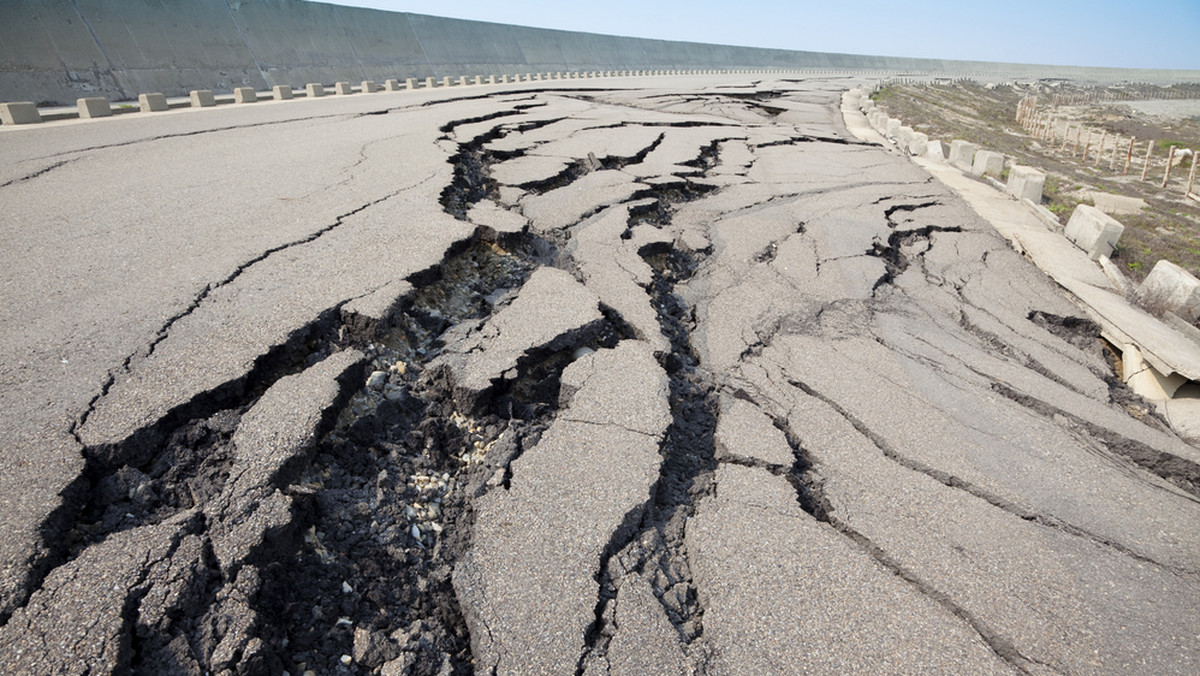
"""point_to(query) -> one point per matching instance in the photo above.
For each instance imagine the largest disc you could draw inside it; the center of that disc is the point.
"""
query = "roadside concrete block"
(478, 79)
(281, 92)
(410, 83)
(429, 83)
(19, 112)
(368, 87)
(987, 163)
(504, 79)
(462, 80)
(342, 88)
(917, 144)
(314, 90)
(446, 81)
(491, 79)
(93, 106)
(202, 98)
(935, 150)
(962, 154)
(152, 103)
(903, 136)
(244, 95)
(1094, 231)
(1026, 183)
(391, 85)
(892, 127)
(1170, 288)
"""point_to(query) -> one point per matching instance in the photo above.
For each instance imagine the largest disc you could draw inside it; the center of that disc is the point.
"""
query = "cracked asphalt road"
(663, 376)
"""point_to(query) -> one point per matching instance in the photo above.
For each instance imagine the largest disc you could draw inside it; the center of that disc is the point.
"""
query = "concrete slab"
(93, 106)
(987, 163)
(19, 112)
(1093, 231)
(1116, 205)
(1026, 183)
(1170, 288)
(918, 144)
(962, 154)
(202, 98)
(935, 150)
(152, 103)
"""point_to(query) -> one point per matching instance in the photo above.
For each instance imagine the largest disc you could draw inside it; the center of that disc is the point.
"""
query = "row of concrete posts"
(25, 112)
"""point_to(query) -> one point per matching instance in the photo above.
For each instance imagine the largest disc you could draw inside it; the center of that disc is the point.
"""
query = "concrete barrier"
(93, 106)
(429, 83)
(410, 83)
(368, 87)
(152, 103)
(173, 46)
(987, 163)
(962, 154)
(392, 85)
(1170, 288)
(202, 98)
(342, 88)
(19, 112)
(281, 92)
(491, 79)
(244, 95)
(918, 144)
(446, 81)
(462, 80)
(1094, 231)
(314, 90)
(1026, 183)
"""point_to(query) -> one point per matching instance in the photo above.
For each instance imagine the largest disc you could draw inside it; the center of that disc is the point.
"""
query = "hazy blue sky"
(1119, 33)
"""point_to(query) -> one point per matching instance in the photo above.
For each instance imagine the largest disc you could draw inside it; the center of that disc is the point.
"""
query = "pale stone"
(202, 98)
(1094, 231)
(19, 112)
(93, 106)
(152, 103)
(962, 153)
(1171, 288)
(917, 144)
(987, 163)
(1026, 183)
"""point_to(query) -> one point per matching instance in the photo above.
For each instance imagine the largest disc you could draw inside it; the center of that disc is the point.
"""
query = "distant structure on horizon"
(53, 52)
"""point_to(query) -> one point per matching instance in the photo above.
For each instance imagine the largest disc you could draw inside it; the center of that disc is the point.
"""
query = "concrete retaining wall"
(55, 51)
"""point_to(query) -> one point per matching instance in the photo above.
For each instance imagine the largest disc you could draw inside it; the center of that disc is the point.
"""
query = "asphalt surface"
(666, 375)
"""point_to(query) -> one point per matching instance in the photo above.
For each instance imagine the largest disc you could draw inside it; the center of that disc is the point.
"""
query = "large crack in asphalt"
(811, 498)
(651, 542)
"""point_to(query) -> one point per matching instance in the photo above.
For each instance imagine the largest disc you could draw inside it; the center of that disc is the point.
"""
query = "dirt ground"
(1167, 228)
